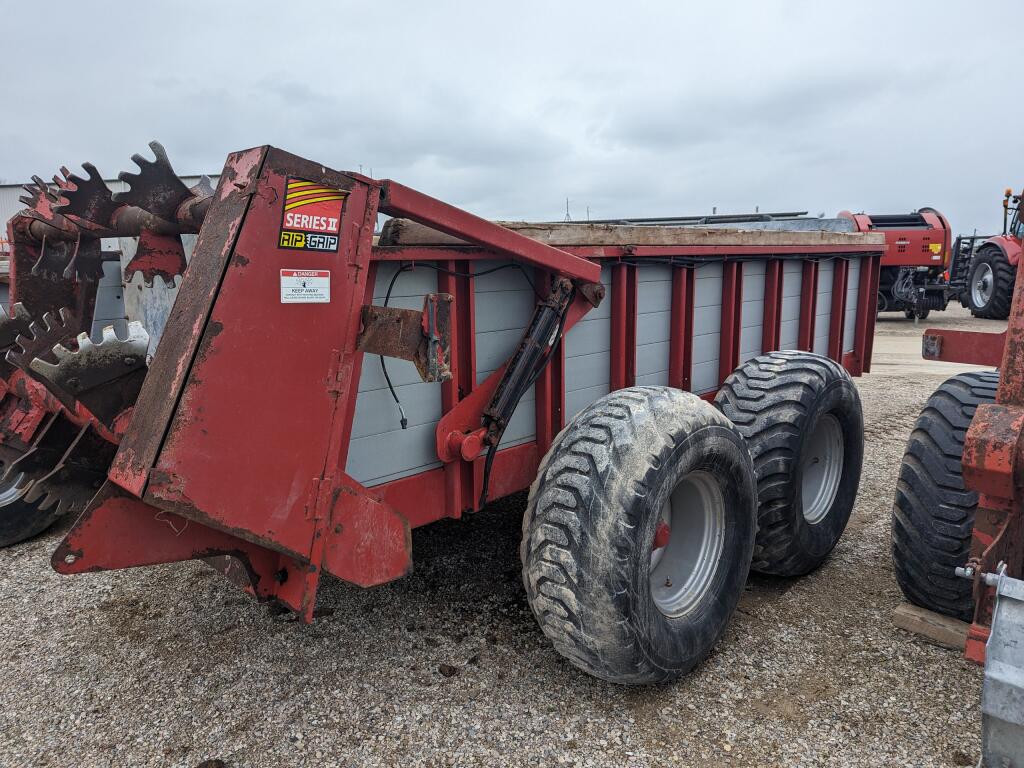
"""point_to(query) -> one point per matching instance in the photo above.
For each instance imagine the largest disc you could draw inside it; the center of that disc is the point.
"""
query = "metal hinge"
(311, 499)
(333, 373)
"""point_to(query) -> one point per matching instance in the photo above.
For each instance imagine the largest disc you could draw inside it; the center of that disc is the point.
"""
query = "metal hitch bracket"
(424, 337)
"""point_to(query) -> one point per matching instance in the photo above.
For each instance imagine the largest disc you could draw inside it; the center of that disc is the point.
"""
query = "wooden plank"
(941, 630)
(400, 231)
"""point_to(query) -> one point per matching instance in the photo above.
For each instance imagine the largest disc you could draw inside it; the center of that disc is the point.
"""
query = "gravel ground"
(173, 666)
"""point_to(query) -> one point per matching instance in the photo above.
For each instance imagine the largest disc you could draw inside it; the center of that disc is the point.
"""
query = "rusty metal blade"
(155, 188)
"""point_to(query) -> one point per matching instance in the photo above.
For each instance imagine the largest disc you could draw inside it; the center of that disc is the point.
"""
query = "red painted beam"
(808, 306)
(550, 387)
(732, 322)
(680, 354)
(458, 475)
(837, 318)
(869, 302)
(623, 354)
(399, 200)
(969, 347)
(771, 322)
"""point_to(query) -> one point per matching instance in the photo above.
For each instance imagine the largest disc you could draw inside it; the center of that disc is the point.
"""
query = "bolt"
(129, 361)
(73, 383)
(70, 557)
(668, 582)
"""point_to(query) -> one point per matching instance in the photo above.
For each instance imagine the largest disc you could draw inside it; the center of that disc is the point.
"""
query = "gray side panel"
(823, 312)
(380, 450)
(752, 319)
(588, 355)
(852, 294)
(789, 332)
(110, 304)
(707, 326)
(653, 323)
(504, 304)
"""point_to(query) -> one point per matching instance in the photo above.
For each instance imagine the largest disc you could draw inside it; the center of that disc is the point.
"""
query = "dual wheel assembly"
(652, 506)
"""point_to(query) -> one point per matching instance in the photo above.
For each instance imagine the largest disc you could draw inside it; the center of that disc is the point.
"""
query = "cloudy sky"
(630, 109)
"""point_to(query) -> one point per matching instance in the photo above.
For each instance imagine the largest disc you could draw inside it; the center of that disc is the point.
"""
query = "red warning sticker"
(311, 219)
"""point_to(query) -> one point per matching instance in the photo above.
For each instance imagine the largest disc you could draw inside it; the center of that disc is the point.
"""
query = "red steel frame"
(993, 459)
(177, 489)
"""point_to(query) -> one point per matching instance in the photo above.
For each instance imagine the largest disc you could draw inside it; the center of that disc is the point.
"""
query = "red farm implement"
(958, 517)
(913, 277)
(318, 392)
(65, 395)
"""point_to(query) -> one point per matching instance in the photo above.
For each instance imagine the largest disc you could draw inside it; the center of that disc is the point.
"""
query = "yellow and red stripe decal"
(300, 193)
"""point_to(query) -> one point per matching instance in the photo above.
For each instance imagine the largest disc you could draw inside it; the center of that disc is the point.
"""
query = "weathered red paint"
(969, 347)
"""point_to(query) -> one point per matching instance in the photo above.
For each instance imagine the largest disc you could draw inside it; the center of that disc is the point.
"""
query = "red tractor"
(913, 277)
(984, 267)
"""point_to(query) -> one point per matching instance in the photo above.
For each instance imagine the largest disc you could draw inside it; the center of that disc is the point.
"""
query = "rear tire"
(616, 596)
(933, 513)
(990, 282)
(801, 416)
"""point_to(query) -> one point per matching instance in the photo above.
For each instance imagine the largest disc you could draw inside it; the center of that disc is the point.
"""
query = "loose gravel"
(172, 666)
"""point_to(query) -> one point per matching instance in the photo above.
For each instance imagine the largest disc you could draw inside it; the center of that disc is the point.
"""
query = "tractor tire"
(801, 416)
(20, 520)
(619, 593)
(933, 514)
(990, 282)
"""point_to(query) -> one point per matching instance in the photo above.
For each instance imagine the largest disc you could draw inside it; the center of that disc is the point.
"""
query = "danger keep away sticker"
(305, 286)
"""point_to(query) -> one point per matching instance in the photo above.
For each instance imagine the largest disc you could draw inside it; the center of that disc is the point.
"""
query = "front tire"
(638, 534)
(801, 416)
(933, 513)
(990, 284)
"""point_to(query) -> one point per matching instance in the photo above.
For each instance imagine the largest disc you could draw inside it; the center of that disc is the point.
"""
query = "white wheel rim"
(822, 468)
(683, 569)
(12, 490)
(982, 285)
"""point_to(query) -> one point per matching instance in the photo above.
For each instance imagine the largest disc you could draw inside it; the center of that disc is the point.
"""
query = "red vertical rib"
(771, 323)
(732, 308)
(874, 262)
(808, 306)
(550, 388)
(680, 354)
(631, 324)
(623, 363)
(458, 476)
(837, 318)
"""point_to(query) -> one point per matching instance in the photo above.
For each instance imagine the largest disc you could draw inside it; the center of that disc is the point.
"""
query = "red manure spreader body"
(679, 399)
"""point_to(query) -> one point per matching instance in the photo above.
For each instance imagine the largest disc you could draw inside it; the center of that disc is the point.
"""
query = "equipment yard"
(172, 665)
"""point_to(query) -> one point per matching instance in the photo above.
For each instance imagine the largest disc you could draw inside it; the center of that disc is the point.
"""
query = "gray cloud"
(644, 108)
